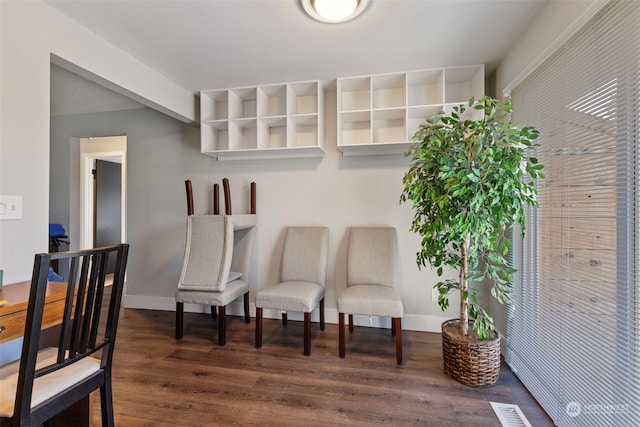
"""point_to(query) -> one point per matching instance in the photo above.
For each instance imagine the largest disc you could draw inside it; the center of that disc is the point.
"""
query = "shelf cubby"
(354, 94)
(425, 87)
(243, 134)
(355, 128)
(388, 90)
(302, 98)
(417, 116)
(388, 125)
(272, 132)
(242, 103)
(272, 101)
(216, 136)
(302, 131)
(215, 105)
(462, 83)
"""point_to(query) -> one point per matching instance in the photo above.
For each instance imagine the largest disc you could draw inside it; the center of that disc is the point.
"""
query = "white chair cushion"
(234, 290)
(46, 386)
(293, 296)
(371, 300)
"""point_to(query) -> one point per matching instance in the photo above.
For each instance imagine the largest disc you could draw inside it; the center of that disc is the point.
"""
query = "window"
(574, 331)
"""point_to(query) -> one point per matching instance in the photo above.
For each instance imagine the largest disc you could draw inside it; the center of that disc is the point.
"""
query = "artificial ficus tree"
(470, 176)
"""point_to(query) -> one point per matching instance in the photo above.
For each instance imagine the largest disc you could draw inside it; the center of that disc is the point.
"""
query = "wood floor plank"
(160, 381)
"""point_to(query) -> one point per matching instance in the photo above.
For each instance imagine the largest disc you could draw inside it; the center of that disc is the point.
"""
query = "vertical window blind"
(574, 331)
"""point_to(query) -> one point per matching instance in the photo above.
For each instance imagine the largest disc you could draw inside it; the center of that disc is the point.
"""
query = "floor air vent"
(510, 415)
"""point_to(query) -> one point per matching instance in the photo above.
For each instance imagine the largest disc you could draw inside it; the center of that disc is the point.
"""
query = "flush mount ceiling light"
(334, 11)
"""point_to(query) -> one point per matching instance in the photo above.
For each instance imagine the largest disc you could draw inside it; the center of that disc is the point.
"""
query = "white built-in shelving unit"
(262, 122)
(379, 114)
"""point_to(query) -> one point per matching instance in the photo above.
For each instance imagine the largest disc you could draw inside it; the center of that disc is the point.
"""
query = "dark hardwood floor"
(159, 381)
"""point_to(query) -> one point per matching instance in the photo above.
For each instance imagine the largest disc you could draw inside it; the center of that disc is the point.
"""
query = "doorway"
(107, 205)
(102, 191)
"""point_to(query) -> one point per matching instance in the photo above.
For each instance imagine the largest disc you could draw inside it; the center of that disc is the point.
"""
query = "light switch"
(10, 207)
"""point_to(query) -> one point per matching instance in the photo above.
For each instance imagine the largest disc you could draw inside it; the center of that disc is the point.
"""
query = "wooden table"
(13, 316)
(14, 313)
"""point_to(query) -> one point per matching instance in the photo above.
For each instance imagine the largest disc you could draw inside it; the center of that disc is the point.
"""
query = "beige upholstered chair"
(371, 281)
(216, 265)
(303, 280)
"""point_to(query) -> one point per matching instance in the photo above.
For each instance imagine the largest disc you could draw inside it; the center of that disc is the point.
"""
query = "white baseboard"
(410, 322)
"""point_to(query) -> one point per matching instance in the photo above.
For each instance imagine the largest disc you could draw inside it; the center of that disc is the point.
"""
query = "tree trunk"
(464, 287)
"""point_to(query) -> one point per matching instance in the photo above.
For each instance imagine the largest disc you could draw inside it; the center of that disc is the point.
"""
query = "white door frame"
(91, 149)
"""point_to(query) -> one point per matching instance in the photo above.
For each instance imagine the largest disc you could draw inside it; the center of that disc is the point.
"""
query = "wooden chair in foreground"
(303, 278)
(217, 260)
(372, 258)
(43, 383)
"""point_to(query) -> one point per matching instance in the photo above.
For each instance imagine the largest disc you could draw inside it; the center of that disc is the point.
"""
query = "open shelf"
(379, 114)
(270, 121)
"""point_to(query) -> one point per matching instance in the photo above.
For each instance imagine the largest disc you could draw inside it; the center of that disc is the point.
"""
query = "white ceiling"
(230, 43)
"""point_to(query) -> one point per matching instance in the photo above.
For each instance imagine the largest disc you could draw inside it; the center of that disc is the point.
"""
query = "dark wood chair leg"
(322, 322)
(222, 325)
(258, 327)
(398, 326)
(247, 317)
(284, 318)
(341, 349)
(307, 334)
(214, 312)
(179, 320)
(106, 402)
(351, 323)
(393, 328)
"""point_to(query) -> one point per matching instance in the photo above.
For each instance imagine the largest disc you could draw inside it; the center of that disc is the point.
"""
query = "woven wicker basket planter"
(473, 363)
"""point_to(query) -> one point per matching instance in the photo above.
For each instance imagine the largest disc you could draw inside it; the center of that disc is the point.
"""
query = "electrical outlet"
(434, 294)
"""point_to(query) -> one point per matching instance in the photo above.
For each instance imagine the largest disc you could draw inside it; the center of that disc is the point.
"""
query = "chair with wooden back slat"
(44, 382)
(217, 260)
(303, 279)
(372, 264)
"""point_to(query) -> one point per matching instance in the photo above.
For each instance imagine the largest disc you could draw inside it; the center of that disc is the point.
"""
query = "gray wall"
(334, 191)
(159, 150)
